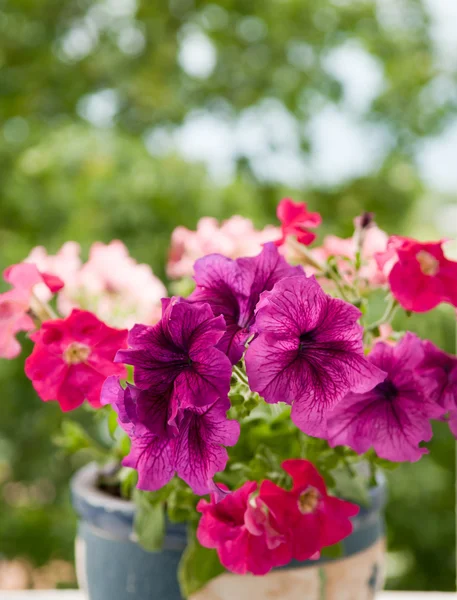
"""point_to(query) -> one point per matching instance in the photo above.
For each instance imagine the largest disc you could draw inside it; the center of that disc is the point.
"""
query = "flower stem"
(388, 315)
(310, 260)
(42, 310)
(240, 374)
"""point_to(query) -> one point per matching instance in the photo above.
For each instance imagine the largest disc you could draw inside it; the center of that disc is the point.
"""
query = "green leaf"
(351, 486)
(149, 524)
(112, 423)
(335, 551)
(198, 566)
(128, 480)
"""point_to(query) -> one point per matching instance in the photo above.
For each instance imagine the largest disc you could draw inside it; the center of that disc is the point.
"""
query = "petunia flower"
(192, 446)
(72, 358)
(111, 284)
(243, 531)
(442, 368)
(310, 518)
(180, 353)
(255, 530)
(393, 417)
(233, 287)
(233, 238)
(420, 275)
(16, 303)
(296, 221)
(309, 352)
(65, 264)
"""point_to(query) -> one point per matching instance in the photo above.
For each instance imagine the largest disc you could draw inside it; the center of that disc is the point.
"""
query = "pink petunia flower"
(233, 238)
(420, 275)
(310, 518)
(296, 221)
(65, 265)
(309, 352)
(72, 358)
(243, 531)
(190, 443)
(111, 284)
(393, 417)
(16, 303)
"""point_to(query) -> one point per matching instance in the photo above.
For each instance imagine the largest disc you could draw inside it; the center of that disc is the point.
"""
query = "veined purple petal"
(393, 417)
(309, 352)
(233, 287)
(122, 402)
(205, 380)
(441, 369)
(178, 355)
(393, 428)
(153, 458)
(200, 452)
(187, 327)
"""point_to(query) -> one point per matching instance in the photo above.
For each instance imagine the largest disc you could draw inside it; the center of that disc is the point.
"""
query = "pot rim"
(84, 484)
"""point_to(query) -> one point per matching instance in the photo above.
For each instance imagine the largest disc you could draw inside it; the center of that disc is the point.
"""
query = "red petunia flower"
(72, 358)
(307, 514)
(296, 220)
(420, 277)
(255, 531)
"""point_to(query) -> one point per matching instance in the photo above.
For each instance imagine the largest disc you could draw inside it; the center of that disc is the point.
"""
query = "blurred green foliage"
(63, 175)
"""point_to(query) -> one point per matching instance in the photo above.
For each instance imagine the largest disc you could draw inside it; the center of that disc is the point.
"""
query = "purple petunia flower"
(232, 288)
(309, 352)
(394, 417)
(193, 447)
(442, 367)
(178, 356)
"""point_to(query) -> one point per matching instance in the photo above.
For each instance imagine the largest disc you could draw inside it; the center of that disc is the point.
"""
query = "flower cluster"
(110, 284)
(258, 528)
(175, 413)
(234, 238)
(272, 321)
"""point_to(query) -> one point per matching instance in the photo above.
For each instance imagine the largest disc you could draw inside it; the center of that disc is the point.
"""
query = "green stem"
(388, 315)
(310, 260)
(42, 310)
(240, 374)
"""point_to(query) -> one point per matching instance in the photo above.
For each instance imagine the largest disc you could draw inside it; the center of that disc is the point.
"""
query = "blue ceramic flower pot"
(112, 566)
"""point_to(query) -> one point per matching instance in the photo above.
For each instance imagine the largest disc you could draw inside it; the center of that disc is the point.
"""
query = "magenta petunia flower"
(72, 358)
(309, 352)
(393, 417)
(179, 353)
(420, 275)
(442, 369)
(310, 518)
(243, 531)
(192, 446)
(232, 288)
(297, 221)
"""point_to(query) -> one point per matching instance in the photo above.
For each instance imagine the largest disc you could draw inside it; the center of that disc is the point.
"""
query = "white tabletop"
(75, 595)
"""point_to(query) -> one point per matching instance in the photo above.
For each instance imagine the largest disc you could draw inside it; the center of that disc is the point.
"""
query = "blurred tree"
(93, 97)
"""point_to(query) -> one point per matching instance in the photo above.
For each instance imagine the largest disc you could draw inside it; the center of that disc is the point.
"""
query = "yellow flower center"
(428, 263)
(76, 353)
(308, 501)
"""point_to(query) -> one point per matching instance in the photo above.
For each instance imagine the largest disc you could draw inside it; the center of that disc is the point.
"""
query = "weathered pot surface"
(112, 566)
